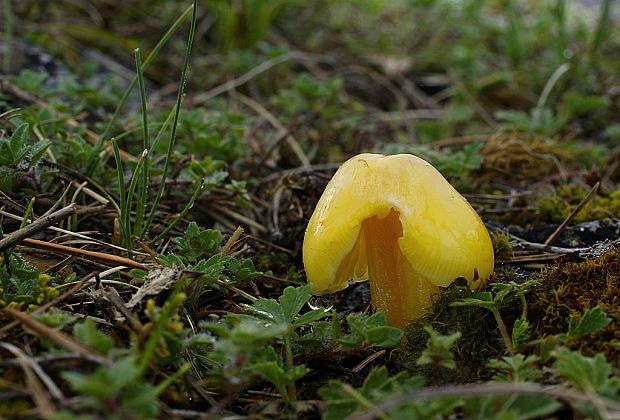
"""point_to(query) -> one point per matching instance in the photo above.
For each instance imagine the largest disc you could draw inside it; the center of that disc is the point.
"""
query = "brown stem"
(43, 222)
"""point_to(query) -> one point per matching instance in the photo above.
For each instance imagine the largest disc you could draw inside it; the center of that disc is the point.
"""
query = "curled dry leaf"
(155, 282)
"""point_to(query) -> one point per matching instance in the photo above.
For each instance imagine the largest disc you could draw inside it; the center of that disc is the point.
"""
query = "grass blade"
(8, 35)
(181, 215)
(122, 196)
(175, 121)
(92, 163)
(129, 201)
(600, 32)
(144, 176)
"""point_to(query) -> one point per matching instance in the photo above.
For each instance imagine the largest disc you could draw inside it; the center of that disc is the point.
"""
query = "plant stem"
(28, 213)
(523, 304)
(122, 195)
(290, 364)
(361, 400)
(170, 379)
(503, 331)
(129, 202)
(181, 215)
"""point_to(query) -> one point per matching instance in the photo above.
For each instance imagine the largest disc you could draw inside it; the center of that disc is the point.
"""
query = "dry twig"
(109, 259)
(43, 222)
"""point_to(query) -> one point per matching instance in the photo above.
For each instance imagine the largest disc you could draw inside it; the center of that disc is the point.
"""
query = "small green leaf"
(37, 151)
(310, 317)
(480, 300)
(437, 352)
(516, 368)
(587, 373)
(269, 310)
(87, 334)
(342, 400)
(197, 244)
(547, 346)
(371, 330)
(384, 336)
(520, 332)
(105, 381)
(293, 299)
(17, 143)
(513, 407)
(266, 363)
(592, 321)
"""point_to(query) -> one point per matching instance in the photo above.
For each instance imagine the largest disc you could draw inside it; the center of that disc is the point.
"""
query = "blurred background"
(500, 95)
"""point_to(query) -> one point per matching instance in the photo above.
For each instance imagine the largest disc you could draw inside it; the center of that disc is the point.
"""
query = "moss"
(480, 338)
(14, 408)
(520, 157)
(552, 204)
(554, 208)
(502, 248)
(566, 288)
(570, 288)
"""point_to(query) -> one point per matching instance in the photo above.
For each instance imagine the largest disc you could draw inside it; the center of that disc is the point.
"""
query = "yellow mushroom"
(396, 221)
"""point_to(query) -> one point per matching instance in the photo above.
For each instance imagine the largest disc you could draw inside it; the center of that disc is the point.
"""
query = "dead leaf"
(157, 281)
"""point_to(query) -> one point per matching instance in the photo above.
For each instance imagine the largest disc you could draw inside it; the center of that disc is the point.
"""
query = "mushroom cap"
(442, 238)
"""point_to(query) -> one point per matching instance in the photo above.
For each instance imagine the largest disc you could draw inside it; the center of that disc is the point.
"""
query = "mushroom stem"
(395, 288)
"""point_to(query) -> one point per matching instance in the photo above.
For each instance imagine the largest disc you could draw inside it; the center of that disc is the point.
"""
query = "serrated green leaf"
(371, 330)
(587, 373)
(438, 349)
(379, 386)
(520, 332)
(266, 363)
(377, 379)
(502, 294)
(286, 308)
(269, 310)
(375, 320)
(384, 336)
(141, 399)
(516, 368)
(293, 299)
(356, 322)
(517, 407)
(592, 321)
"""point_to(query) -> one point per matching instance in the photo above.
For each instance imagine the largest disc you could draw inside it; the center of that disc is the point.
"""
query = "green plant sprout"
(17, 156)
(517, 368)
(437, 352)
(284, 314)
(342, 400)
(493, 303)
(267, 319)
